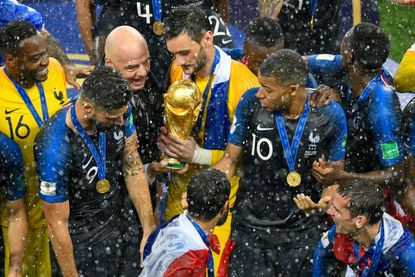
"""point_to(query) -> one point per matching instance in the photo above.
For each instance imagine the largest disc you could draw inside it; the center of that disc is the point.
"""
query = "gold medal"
(293, 179)
(103, 186)
(158, 28)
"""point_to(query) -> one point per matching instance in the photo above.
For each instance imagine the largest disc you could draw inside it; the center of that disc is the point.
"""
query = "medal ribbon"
(313, 8)
(291, 152)
(370, 271)
(198, 124)
(28, 102)
(99, 159)
(205, 238)
(157, 10)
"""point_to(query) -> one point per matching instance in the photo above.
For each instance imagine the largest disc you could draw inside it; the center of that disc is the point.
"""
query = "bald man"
(126, 50)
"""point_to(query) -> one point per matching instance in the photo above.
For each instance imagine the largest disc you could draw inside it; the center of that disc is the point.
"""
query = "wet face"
(339, 211)
(189, 54)
(257, 54)
(104, 120)
(271, 94)
(33, 59)
(133, 64)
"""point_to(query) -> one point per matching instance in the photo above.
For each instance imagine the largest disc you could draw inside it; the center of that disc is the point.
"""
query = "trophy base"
(174, 164)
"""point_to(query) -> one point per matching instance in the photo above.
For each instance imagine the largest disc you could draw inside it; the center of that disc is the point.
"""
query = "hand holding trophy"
(182, 104)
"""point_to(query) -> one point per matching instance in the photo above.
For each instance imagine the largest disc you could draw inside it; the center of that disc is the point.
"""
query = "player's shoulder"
(54, 129)
(333, 111)
(249, 97)
(241, 71)
(54, 66)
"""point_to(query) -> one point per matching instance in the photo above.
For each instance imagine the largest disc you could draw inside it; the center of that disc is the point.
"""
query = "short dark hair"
(190, 20)
(366, 198)
(12, 34)
(369, 46)
(286, 66)
(207, 192)
(106, 88)
(264, 31)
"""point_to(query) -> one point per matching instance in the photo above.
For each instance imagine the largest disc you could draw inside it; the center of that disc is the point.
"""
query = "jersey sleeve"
(385, 118)
(338, 144)
(12, 163)
(52, 156)
(235, 53)
(404, 79)
(325, 63)
(239, 126)
(11, 11)
(322, 251)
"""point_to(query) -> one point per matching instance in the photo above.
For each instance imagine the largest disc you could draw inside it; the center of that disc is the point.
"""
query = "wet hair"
(190, 20)
(369, 46)
(12, 35)
(265, 32)
(207, 192)
(106, 88)
(366, 198)
(286, 66)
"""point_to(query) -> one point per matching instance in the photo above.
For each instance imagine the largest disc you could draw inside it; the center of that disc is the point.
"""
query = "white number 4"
(147, 15)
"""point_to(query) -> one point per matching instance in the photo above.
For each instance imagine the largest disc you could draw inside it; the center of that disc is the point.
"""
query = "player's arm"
(57, 215)
(56, 51)
(17, 234)
(407, 261)
(85, 15)
(229, 160)
(137, 186)
(324, 63)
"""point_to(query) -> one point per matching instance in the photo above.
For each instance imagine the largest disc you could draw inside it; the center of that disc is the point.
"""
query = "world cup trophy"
(182, 104)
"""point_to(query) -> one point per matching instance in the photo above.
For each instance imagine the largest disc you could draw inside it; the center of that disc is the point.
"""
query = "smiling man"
(273, 122)
(368, 240)
(33, 89)
(89, 168)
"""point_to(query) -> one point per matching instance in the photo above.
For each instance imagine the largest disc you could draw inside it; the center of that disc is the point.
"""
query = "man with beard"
(222, 81)
(182, 246)
(89, 169)
(33, 89)
(368, 240)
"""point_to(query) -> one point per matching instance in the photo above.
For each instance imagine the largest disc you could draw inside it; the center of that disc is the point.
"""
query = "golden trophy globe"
(182, 104)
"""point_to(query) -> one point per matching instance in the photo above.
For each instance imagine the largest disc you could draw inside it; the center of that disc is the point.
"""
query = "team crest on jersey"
(48, 188)
(118, 134)
(314, 139)
(58, 96)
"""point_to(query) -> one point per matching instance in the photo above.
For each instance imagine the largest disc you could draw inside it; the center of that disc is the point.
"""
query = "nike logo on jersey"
(226, 41)
(259, 128)
(10, 111)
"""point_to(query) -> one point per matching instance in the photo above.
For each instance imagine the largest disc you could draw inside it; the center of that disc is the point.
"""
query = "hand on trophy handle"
(175, 147)
(159, 167)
